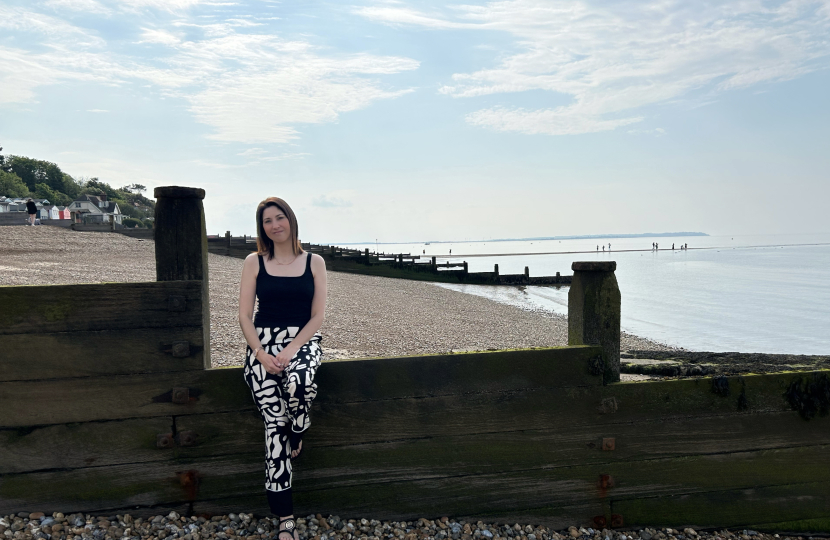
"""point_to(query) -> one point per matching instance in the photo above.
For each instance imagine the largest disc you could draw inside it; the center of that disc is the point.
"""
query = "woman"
(283, 344)
(31, 208)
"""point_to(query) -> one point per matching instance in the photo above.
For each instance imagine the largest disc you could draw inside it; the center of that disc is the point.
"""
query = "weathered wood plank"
(751, 507)
(37, 403)
(494, 371)
(56, 355)
(112, 397)
(689, 397)
(805, 470)
(100, 306)
(422, 451)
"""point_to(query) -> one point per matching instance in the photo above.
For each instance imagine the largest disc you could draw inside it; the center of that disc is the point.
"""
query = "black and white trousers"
(284, 401)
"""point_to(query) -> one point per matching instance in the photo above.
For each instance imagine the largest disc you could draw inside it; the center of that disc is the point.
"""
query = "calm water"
(746, 293)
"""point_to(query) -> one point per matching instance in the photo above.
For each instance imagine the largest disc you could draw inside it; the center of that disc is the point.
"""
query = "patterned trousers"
(283, 400)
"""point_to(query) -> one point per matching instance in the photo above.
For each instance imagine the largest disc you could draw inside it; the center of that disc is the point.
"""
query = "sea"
(747, 293)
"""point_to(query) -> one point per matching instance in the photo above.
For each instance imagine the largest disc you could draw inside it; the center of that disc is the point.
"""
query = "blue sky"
(411, 121)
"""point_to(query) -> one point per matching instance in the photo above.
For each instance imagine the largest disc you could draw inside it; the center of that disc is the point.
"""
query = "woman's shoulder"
(317, 262)
(252, 261)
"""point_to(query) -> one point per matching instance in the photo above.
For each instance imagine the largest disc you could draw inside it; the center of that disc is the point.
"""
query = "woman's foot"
(288, 530)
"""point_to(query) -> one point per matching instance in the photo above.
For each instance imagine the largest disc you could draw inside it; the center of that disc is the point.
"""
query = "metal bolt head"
(187, 438)
(606, 481)
(609, 443)
(165, 440)
(181, 395)
(181, 349)
(600, 522)
(616, 520)
(176, 302)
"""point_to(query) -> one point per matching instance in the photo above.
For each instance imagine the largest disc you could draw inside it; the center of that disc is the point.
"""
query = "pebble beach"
(29, 526)
(366, 316)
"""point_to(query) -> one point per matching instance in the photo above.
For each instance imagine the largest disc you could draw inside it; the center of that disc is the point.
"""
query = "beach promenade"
(366, 316)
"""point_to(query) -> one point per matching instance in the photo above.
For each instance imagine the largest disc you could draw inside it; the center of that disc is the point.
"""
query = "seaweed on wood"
(810, 395)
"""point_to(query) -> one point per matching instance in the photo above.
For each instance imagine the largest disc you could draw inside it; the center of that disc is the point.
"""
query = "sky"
(412, 121)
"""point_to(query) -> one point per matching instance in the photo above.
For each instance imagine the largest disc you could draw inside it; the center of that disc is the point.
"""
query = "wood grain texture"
(53, 355)
(420, 376)
(104, 306)
(805, 470)
(61, 401)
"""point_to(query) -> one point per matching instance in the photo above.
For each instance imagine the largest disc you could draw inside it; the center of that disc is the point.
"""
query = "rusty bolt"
(606, 481)
(165, 440)
(616, 520)
(609, 443)
(187, 438)
(600, 522)
(181, 395)
(181, 349)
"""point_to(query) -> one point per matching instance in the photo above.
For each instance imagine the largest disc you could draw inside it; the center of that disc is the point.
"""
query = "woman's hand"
(284, 357)
(269, 362)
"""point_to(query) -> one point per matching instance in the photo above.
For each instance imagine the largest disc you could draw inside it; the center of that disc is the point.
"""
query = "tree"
(11, 185)
(35, 171)
(42, 191)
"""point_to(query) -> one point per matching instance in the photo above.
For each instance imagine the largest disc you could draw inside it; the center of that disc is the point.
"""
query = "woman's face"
(276, 225)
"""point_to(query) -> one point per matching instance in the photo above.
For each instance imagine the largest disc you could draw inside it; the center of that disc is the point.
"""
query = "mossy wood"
(30, 403)
(103, 306)
(643, 484)
(397, 447)
(54, 355)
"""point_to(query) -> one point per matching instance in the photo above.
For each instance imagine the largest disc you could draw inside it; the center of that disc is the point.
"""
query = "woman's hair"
(264, 244)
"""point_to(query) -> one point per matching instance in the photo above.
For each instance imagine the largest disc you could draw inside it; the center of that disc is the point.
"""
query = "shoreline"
(367, 316)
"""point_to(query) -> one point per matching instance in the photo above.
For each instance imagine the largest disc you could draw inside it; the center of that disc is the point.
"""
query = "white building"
(92, 209)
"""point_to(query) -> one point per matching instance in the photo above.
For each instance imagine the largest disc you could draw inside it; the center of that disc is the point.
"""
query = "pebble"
(242, 526)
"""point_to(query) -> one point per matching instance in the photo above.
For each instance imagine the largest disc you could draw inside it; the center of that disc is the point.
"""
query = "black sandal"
(295, 439)
(290, 525)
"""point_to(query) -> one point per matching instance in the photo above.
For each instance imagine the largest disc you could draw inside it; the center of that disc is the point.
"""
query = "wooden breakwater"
(113, 409)
(397, 265)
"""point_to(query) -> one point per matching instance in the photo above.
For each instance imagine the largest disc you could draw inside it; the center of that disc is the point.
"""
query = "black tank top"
(283, 301)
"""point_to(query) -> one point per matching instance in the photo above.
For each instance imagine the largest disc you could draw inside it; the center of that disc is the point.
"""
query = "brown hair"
(264, 244)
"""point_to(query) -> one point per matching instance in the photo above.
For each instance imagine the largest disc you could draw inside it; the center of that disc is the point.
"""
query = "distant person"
(283, 341)
(609, 246)
(672, 246)
(423, 252)
(687, 246)
(603, 248)
(597, 247)
(31, 208)
(450, 252)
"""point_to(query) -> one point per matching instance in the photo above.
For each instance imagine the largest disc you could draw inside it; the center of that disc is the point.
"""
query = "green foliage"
(132, 223)
(35, 171)
(21, 176)
(42, 191)
(12, 186)
(148, 223)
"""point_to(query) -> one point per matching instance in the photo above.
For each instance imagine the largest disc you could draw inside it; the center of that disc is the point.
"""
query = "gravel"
(29, 526)
(366, 316)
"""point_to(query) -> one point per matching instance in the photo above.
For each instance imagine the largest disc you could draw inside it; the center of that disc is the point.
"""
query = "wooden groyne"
(108, 405)
(397, 265)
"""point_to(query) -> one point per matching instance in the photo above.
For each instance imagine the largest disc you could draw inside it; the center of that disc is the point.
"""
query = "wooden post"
(594, 312)
(228, 239)
(465, 267)
(527, 273)
(181, 244)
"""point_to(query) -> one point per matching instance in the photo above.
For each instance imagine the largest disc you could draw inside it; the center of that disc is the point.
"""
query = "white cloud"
(611, 59)
(332, 200)
(247, 85)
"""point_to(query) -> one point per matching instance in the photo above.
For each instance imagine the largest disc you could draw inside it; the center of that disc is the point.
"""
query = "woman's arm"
(318, 311)
(247, 298)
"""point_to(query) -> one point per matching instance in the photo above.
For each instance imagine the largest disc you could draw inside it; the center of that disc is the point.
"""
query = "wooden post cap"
(179, 192)
(594, 266)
